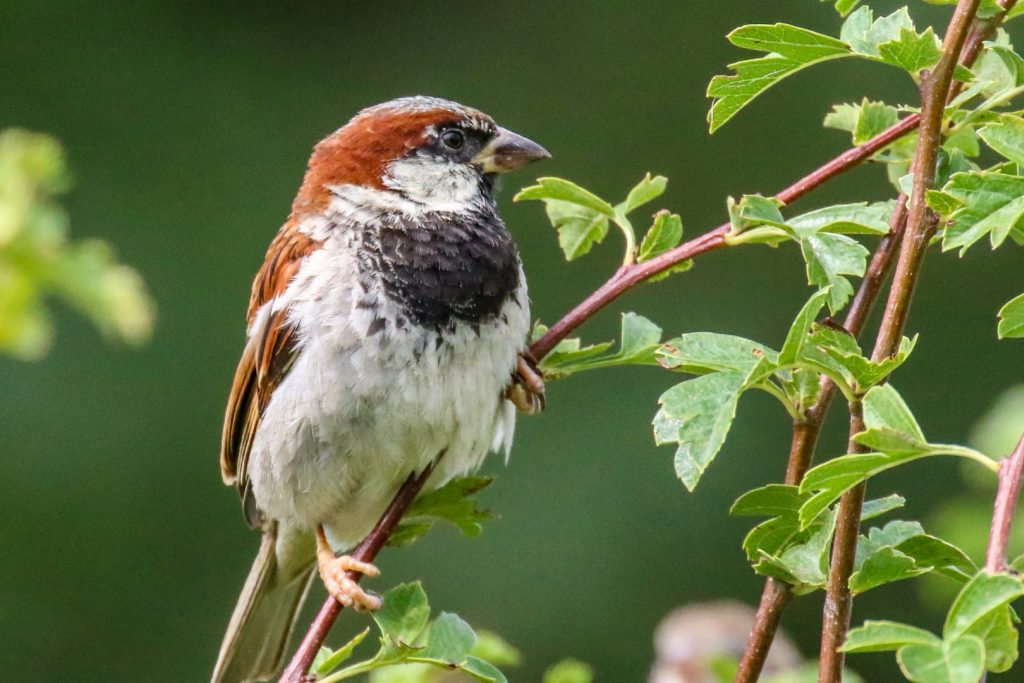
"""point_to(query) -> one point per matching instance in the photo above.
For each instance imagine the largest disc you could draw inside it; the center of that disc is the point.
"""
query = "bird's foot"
(526, 392)
(334, 572)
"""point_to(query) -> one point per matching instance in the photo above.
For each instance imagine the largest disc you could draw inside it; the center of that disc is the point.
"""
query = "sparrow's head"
(428, 150)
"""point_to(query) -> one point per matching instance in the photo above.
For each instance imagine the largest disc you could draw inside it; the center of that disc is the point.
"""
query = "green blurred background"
(188, 124)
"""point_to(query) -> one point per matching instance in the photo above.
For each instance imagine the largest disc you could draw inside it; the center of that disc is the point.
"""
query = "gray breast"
(441, 267)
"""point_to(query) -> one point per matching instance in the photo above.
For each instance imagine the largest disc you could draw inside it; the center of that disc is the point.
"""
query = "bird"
(386, 327)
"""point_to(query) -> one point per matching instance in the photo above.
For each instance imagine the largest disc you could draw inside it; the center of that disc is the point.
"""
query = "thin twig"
(921, 226)
(365, 552)
(776, 594)
(1010, 472)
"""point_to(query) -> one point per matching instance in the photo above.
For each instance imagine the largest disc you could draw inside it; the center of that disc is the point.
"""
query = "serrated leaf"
(880, 636)
(933, 553)
(843, 348)
(640, 339)
(452, 503)
(702, 352)
(579, 227)
(648, 189)
(696, 415)
(404, 614)
(990, 203)
(829, 257)
(664, 234)
(1011, 319)
(1006, 136)
(912, 51)
(771, 536)
(982, 595)
(790, 49)
(865, 34)
(961, 660)
(803, 565)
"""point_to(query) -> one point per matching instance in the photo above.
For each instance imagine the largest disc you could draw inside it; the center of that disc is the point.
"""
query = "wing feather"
(269, 353)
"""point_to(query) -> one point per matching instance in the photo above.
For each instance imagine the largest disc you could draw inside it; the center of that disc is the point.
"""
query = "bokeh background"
(188, 124)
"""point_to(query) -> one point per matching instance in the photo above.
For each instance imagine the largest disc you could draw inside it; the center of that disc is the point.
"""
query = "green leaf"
(933, 553)
(1006, 137)
(982, 595)
(579, 216)
(665, 234)
(912, 51)
(865, 34)
(890, 424)
(829, 257)
(843, 348)
(863, 120)
(1011, 319)
(482, 671)
(646, 190)
(999, 632)
(404, 614)
(990, 203)
(452, 502)
(640, 339)
(697, 415)
(702, 352)
(579, 227)
(768, 501)
(327, 661)
(961, 660)
(862, 218)
(803, 565)
(569, 671)
(886, 565)
(844, 7)
(563, 190)
(772, 536)
(753, 210)
(790, 49)
(792, 349)
(880, 506)
(879, 636)
(449, 639)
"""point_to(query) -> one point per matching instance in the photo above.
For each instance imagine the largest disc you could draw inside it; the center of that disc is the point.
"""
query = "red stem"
(366, 551)
(1010, 472)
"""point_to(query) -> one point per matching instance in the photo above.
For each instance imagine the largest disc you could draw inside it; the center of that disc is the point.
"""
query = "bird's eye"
(453, 138)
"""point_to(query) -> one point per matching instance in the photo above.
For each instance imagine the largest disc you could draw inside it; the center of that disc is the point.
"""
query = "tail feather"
(261, 625)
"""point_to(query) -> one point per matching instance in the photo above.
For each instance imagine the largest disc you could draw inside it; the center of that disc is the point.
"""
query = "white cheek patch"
(444, 185)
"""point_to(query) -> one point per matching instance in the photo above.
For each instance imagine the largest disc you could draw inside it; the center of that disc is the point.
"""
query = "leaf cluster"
(37, 259)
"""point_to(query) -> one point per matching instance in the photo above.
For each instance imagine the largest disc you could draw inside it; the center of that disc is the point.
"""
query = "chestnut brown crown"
(430, 129)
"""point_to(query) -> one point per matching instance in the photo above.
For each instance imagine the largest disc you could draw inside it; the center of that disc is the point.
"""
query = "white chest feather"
(372, 397)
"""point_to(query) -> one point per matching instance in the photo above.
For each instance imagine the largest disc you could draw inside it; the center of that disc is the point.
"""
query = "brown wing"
(267, 357)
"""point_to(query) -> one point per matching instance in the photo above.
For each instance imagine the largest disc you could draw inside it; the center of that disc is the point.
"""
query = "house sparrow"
(386, 327)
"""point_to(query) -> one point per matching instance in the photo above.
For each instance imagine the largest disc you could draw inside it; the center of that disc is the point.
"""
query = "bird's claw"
(334, 571)
(526, 392)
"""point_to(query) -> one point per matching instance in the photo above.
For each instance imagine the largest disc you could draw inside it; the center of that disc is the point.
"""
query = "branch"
(1010, 472)
(921, 224)
(777, 594)
(364, 552)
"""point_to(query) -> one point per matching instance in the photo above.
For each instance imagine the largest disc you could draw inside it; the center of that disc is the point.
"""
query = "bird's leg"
(527, 388)
(334, 573)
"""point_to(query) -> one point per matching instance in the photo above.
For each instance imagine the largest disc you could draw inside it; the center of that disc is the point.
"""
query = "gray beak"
(508, 151)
